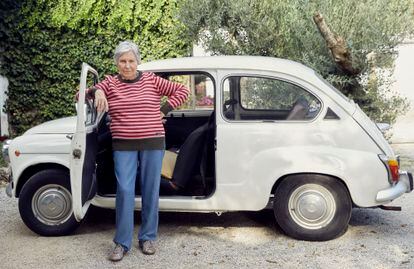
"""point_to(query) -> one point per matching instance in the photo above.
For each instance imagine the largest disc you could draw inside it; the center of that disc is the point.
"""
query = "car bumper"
(404, 185)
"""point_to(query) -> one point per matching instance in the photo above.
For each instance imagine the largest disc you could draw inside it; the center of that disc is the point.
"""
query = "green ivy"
(44, 42)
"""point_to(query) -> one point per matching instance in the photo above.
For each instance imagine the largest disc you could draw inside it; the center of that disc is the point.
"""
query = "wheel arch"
(285, 177)
(33, 169)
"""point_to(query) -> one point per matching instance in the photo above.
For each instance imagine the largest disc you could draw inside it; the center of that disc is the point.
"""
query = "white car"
(256, 133)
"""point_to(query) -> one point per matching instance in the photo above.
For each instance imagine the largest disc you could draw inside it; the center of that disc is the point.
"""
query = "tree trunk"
(336, 44)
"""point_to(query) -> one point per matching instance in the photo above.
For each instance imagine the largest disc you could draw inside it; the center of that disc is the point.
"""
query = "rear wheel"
(312, 207)
(45, 203)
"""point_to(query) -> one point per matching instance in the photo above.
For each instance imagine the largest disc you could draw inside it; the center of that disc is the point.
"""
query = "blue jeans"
(147, 163)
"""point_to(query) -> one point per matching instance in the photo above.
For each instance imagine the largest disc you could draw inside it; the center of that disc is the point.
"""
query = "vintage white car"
(256, 133)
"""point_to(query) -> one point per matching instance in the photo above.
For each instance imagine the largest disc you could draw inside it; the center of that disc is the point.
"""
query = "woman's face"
(127, 65)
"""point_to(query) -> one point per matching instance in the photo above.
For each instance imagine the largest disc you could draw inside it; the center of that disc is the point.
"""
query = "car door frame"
(84, 148)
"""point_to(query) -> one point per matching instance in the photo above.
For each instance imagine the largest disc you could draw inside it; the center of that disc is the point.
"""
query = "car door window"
(90, 110)
(201, 91)
(259, 98)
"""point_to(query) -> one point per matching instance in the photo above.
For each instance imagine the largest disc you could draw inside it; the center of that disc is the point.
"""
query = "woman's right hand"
(101, 103)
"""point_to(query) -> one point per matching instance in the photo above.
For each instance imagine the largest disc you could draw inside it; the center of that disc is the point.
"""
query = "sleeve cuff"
(166, 108)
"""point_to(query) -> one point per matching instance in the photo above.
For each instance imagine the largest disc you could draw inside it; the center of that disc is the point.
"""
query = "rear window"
(262, 98)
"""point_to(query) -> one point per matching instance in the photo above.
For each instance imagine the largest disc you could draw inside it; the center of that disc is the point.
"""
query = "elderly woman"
(132, 99)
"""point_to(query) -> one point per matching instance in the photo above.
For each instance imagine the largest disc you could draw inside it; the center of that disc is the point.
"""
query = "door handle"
(69, 136)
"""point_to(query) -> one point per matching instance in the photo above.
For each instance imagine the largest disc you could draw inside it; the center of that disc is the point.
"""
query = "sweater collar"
(139, 75)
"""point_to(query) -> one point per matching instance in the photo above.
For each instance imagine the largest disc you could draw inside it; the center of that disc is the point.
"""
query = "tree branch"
(336, 44)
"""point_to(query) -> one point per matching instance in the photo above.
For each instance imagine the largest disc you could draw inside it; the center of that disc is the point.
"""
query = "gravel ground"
(375, 239)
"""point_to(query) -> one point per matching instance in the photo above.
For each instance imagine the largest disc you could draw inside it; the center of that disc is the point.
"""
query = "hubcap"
(52, 204)
(312, 206)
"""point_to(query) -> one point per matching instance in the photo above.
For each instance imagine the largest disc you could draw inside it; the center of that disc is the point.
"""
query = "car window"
(90, 110)
(201, 91)
(259, 98)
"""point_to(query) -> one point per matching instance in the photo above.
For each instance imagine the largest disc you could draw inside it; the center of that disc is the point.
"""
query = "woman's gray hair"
(126, 46)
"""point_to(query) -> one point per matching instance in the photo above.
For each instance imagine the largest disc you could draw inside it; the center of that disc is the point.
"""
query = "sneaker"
(117, 253)
(147, 247)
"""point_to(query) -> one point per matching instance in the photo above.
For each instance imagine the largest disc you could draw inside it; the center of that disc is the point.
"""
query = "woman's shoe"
(147, 247)
(117, 253)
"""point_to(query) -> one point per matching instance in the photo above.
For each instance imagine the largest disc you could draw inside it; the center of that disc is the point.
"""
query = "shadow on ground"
(100, 218)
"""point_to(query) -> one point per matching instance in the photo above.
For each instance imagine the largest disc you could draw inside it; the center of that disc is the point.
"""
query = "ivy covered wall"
(44, 42)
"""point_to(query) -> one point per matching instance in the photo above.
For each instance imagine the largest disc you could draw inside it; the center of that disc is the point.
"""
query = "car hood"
(60, 126)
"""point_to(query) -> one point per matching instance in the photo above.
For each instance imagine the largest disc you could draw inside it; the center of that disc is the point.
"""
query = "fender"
(362, 181)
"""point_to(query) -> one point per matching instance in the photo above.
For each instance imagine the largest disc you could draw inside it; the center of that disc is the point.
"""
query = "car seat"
(189, 159)
(299, 109)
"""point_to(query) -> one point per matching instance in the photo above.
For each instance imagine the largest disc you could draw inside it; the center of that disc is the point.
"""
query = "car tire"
(45, 203)
(312, 207)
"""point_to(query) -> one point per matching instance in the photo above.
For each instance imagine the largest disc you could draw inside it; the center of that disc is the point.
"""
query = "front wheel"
(45, 203)
(312, 207)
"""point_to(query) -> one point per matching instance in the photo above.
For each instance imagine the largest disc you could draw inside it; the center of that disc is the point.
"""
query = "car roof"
(227, 62)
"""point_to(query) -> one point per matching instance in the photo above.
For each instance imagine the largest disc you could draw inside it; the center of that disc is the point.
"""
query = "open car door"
(84, 146)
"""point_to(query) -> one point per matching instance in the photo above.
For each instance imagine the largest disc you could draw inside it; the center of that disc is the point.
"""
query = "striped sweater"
(134, 107)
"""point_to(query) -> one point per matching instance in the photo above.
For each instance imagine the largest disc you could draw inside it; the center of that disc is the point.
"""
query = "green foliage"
(44, 42)
(285, 29)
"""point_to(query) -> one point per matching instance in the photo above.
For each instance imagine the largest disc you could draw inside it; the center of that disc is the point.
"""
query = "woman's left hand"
(101, 103)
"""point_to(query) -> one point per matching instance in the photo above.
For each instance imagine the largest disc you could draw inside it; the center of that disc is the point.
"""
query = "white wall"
(403, 129)
(199, 51)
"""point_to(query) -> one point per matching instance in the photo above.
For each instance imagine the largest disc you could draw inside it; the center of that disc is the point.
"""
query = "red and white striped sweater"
(134, 107)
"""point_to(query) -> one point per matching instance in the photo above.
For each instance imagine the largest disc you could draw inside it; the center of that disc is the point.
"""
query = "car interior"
(190, 136)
